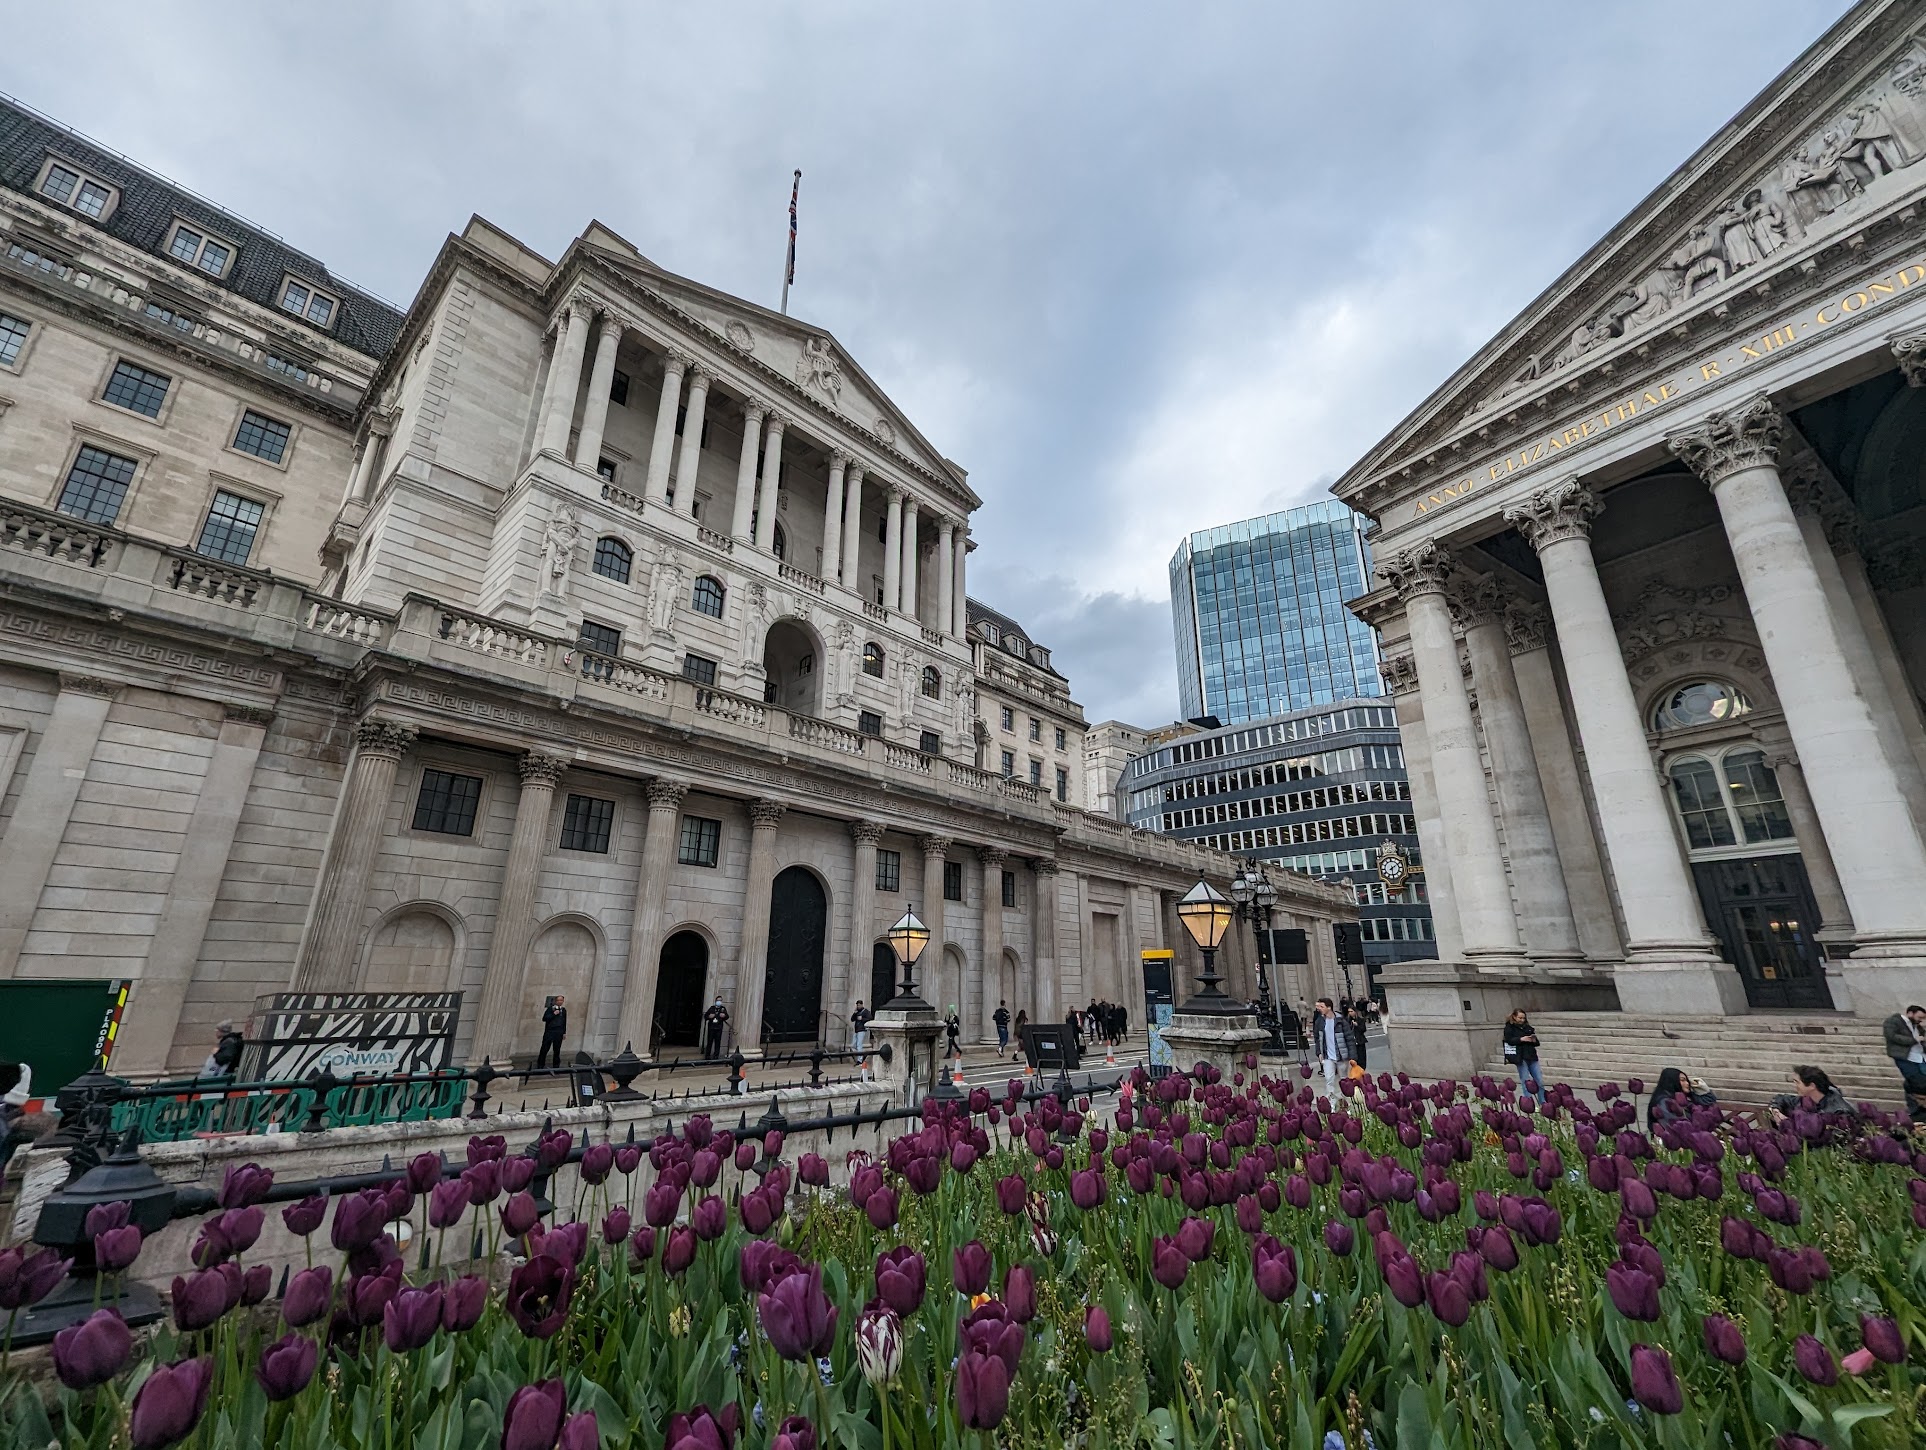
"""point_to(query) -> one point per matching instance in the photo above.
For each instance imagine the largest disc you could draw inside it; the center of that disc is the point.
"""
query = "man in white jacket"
(1328, 1039)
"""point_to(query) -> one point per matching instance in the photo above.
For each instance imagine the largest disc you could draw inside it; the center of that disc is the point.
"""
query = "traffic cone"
(956, 1070)
(1109, 1053)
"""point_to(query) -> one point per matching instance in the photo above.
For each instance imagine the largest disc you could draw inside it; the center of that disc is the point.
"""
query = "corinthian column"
(743, 520)
(651, 906)
(863, 836)
(663, 443)
(496, 1027)
(1670, 965)
(945, 575)
(959, 597)
(1550, 934)
(990, 974)
(326, 963)
(595, 411)
(771, 501)
(893, 550)
(1419, 575)
(850, 576)
(564, 377)
(935, 849)
(1400, 673)
(691, 460)
(752, 972)
(909, 604)
(1861, 804)
(833, 518)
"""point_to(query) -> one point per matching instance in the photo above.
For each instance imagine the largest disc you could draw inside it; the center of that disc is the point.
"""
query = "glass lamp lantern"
(908, 937)
(1206, 914)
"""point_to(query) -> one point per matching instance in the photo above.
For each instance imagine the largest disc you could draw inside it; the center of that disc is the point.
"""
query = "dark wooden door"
(679, 985)
(882, 975)
(793, 985)
(1762, 910)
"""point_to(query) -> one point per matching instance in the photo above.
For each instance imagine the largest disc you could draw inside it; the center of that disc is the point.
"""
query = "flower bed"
(1218, 1263)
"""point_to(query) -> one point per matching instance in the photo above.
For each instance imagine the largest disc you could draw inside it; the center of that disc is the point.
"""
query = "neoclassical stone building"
(589, 632)
(1651, 591)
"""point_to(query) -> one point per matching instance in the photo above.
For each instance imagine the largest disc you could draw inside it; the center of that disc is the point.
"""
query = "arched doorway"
(680, 982)
(882, 975)
(561, 963)
(410, 952)
(793, 981)
(792, 666)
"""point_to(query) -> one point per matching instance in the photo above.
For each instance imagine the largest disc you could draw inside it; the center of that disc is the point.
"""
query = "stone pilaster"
(990, 970)
(851, 574)
(910, 559)
(1400, 675)
(863, 836)
(637, 1029)
(1043, 923)
(497, 1020)
(945, 575)
(752, 971)
(935, 966)
(959, 596)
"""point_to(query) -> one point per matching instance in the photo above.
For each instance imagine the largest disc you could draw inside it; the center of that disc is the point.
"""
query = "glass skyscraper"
(1260, 619)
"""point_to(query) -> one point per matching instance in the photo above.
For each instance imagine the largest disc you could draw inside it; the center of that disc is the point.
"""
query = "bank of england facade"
(1652, 592)
(577, 630)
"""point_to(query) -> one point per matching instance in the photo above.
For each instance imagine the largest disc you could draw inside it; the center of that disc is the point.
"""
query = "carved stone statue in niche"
(965, 701)
(843, 666)
(665, 589)
(558, 549)
(755, 623)
(821, 369)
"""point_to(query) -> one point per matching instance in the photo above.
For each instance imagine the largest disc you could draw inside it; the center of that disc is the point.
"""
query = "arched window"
(1729, 799)
(932, 683)
(613, 559)
(1703, 702)
(873, 660)
(782, 543)
(707, 598)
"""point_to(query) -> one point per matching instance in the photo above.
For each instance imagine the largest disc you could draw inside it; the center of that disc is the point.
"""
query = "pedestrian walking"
(1357, 1025)
(1521, 1051)
(1906, 1045)
(226, 1056)
(715, 1022)
(1328, 1039)
(1073, 1019)
(554, 1029)
(859, 1035)
(953, 1025)
(1002, 1019)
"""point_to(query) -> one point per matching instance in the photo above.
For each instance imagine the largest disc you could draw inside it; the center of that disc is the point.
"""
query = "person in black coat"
(714, 1022)
(1521, 1050)
(554, 1029)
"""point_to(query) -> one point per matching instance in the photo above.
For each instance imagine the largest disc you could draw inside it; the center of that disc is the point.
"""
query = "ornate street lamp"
(1206, 914)
(1255, 897)
(908, 937)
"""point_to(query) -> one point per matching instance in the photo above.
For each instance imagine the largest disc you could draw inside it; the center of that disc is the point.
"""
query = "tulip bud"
(533, 1420)
(1654, 1384)
(1814, 1360)
(170, 1403)
(879, 1345)
(1723, 1339)
(93, 1351)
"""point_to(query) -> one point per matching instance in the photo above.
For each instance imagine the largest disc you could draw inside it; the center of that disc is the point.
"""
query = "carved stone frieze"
(1666, 616)
(89, 685)
(820, 370)
(1564, 510)
(261, 715)
(105, 644)
(1399, 673)
(1732, 440)
(1897, 565)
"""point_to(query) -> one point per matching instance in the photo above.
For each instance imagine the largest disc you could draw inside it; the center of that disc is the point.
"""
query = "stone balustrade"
(803, 579)
(344, 622)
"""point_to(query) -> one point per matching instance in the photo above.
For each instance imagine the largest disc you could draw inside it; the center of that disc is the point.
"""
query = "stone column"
(637, 1025)
(850, 576)
(1419, 575)
(909, 604)
(753, 968)
(595, 410)
(373, 455)
(1043, 954)
(496, 1020)
(862, 918)
(945, 575)
(1400, 674)
(564, 378)
(46, 802)
(771, 502)
(152, 1019)
(833, 518)
(1872, 619)
(893, 551)
(326, 963)
(1571, 819)
(1812, 503)
(743, 520)
(990, 977)
(1858, 795)
(959, 597)
(690, 463)
(1835, 917)
(1537, 877)
(662, 445)
(1670, 965)
(934, 966)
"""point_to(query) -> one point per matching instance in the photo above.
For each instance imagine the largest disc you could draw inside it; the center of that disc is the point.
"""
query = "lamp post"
(1254, 897)
(908, 938)
(1206, 915)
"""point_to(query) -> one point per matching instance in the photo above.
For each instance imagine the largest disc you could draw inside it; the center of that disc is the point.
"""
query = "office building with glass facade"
(1258, 609)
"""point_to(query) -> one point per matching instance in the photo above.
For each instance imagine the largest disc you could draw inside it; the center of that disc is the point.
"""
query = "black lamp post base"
(73, 1301)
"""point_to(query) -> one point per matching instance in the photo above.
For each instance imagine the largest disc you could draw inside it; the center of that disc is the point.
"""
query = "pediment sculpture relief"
(1843, 166)
(1666, 616)
(820, 370)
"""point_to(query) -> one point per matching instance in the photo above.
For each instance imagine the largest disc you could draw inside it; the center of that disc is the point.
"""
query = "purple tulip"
(359, 1219)
(990, 1326)
(26, 1279)
(1087, 1189)
(970, 1268)
(982, 1389)
(1448, 1297)
(1789, 1270)
(411, 1318)
(447, 1202)
(901, 1280)
(1020, 1292)
(516, 1173)
(660, 1203)
(598, 1161)
(565, 1243)
(628, 1158)
(1096, 1328)
(1723, 1339)
(759, 1209)
(699, 1429)
(116, 1249)
(1796, 1442)
(1735, 1237)
(104, 1216)
(679, 1251)
(1634, 1292)
(1339, 1238)
(760, 1264)
(1194, 1237)
(1274, 1267)
(368, 1297)
(93, 1351)
(1168, 1262)
(256, 1284)
(1401, 1273)
(286, 1366)
(797, 1316)
(709, 1218)
(309, 1294)
(552, 1148)
(538, 1296)
(533, 1420)
(794, 1433)
(1814, 1360)
(616, 1224)
(484, 1182)
(580, 1432)
(881, 1209)
(1495, 1244)
(462, 1303)
(424, 1172)
(1011, 1193)
(245, 1184)
(745, 1157)
(202, 1298)
(641, 1246)
(1654, 1385)
(1881, 1336)
(170, 1403)
(519, 1214)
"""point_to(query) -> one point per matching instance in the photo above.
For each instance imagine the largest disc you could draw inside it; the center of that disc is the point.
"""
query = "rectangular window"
(1008, 718)
(702, 671)
(1036, 772)
(82, 193)
(13, 337)
(96, 485)
(1063, 784)
(601, 638)
(1009, 765)
(930, 743)
(309, 302)
(1063, 740)
(447, 803)
(882, 529)
(1009, 888)
(605, 468)
(1036, 728)
(585, 824)
(135, 388)
(197, 249)
(870, 723)
(889, 870)
(231, 527)
(952, 880)
(262, 436)
(619, 389)
(701, 843)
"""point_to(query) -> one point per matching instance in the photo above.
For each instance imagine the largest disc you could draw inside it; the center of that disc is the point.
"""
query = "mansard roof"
(1007, 629)
(146, 212)
(1823, 157)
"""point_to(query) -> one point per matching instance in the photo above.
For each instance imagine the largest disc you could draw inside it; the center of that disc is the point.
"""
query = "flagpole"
(789, 269)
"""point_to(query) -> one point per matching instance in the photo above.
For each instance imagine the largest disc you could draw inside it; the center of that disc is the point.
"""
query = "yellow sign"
(1633, 404)
(1160, 955)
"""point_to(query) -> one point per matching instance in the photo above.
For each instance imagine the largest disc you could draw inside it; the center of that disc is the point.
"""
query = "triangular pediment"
(801, 354)
(1837, 141)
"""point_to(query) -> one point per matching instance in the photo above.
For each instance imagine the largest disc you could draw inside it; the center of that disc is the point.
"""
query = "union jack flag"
(795, 188)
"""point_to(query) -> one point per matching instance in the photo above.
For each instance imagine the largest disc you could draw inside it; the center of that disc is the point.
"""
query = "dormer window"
(195, 247)
(73, 188)
(308, 302)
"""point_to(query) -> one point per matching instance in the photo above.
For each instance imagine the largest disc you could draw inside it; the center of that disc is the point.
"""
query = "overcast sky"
(1140, 268)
